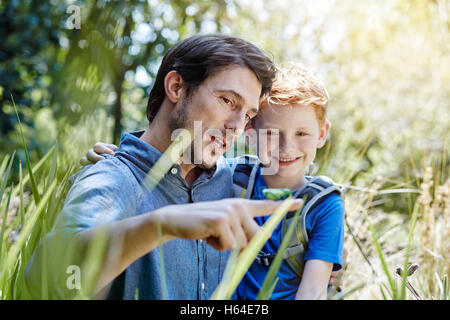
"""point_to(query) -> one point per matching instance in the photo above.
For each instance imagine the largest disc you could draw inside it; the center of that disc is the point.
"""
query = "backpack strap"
(316, 190)
(313, 192)
(244, 171)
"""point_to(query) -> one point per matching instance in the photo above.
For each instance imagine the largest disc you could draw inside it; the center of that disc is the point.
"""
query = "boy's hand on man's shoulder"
(93, 155)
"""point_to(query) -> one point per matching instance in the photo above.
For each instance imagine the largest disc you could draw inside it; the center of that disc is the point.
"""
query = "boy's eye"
(302, 134)
(272, 133)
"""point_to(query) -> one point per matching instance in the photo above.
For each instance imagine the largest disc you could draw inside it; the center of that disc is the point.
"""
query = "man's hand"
(223, 224)
(94, 154)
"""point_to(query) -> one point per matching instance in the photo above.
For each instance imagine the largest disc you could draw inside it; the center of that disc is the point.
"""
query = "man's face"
(221, 106)
(292, 134)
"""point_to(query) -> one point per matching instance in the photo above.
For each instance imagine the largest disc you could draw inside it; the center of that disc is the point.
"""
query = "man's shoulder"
(110, 171)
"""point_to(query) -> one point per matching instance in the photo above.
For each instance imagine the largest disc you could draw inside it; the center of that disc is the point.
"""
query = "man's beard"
(180, 121)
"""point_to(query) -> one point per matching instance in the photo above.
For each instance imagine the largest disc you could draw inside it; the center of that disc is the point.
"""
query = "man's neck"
(159, 137)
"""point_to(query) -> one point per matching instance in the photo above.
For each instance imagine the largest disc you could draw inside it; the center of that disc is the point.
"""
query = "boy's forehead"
(283, 115)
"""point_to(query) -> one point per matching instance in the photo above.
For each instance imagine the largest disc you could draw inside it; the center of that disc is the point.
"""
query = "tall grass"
(380, 243)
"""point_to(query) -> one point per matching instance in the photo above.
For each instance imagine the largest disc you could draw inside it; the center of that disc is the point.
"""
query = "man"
(214, 79)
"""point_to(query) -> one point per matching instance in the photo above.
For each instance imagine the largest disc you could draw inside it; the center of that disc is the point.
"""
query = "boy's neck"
(293, 183)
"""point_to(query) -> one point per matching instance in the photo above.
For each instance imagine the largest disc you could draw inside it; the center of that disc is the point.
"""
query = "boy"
(294, 114)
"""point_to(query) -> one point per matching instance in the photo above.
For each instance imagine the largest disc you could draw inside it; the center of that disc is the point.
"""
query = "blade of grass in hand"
(265, 292)
(248, 255)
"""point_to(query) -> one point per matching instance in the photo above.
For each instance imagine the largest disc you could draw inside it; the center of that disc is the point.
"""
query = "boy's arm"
(315, 279)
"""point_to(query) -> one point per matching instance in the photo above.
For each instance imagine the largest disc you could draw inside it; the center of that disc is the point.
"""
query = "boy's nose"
(285, 142)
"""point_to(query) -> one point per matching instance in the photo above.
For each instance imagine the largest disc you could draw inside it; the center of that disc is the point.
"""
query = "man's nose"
(236, 123)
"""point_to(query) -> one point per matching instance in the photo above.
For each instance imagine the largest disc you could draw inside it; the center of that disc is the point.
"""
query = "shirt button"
(174, 171)
(203, 286)
(201, 241)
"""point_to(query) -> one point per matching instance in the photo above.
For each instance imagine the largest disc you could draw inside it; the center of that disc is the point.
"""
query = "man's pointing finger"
(267, 207)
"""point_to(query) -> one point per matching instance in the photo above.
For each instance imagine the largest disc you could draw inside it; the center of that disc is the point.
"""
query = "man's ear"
(323, 133)
(173, 85)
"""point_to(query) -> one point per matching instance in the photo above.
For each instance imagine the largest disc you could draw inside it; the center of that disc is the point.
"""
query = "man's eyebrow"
(238, 97)
(234, 93)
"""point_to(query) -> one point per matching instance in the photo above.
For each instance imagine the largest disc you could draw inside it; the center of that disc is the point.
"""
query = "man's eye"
(272, 133)
(227, 101)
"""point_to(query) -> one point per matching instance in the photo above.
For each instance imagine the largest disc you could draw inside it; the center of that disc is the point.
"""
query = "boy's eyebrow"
(238, 97)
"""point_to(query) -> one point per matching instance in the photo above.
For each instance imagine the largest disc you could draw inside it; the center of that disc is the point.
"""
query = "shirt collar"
(148, 155)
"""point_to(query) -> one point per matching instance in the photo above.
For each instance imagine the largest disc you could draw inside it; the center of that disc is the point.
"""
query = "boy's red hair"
(296, 84)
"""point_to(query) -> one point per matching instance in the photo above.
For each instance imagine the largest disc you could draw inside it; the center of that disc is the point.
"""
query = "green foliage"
(385, 65)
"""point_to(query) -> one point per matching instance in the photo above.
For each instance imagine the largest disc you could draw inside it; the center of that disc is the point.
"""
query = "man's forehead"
(239, 80)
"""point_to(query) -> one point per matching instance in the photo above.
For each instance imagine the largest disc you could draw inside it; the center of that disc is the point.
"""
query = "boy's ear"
(173, 85)
(323, 134)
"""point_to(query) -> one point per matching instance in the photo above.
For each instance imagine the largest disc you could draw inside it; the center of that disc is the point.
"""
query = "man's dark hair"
(200, 56)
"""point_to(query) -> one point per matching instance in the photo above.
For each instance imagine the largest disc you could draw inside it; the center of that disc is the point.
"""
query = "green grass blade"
(93, 263)
(22, 204)
(17, 246)
(36, 195)
(343, 294)
(4, 164)
(36, 169)
(161, 262)
(6, 178)
(248, 254)
(271, 288)
(3, 228)
(358, 244)
(219, 293)
(52, 176)
(265, 292)
(4, 290)
(445, 294)
(381, 256)
(408, 249)
(382, 293)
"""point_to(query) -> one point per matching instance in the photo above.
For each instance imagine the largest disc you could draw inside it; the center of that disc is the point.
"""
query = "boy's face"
(299, 136)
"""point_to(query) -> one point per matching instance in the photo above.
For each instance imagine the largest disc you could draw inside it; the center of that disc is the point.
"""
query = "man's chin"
(209, 161)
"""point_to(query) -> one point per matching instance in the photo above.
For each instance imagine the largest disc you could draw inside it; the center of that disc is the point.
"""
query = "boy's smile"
(286, 161)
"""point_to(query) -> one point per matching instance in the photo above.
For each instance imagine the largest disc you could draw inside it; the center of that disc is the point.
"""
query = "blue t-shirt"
(325, 228)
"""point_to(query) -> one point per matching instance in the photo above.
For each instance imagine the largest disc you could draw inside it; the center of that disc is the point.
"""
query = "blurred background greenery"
(386, 65)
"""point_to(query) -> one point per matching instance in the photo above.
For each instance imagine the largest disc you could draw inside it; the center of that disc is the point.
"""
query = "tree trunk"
(118, 111)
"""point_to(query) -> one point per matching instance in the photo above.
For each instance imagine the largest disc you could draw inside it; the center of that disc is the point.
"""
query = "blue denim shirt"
(111, 190)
